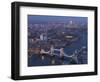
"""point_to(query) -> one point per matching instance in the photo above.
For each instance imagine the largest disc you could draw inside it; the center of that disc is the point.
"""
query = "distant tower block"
(41, 37)
(71, 22)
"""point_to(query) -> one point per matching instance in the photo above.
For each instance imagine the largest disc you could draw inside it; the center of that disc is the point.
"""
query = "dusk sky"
(45, 18)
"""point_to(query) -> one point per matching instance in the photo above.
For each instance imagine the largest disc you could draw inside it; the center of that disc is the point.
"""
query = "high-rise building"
(43, 37)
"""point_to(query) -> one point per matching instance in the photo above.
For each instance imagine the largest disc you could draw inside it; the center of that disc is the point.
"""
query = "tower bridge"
(61, 54)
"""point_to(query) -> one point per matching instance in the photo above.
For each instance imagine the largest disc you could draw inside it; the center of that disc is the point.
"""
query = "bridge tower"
(61, 52)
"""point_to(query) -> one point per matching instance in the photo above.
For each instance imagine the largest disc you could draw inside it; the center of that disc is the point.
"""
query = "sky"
(45, 18)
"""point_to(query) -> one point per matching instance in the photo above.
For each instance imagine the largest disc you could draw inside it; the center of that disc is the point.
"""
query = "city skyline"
(57, 40)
